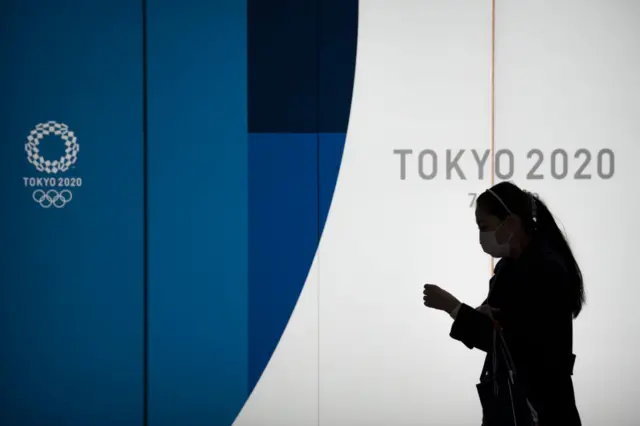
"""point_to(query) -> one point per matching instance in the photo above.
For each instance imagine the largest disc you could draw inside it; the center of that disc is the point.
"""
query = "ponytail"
(506, 198)
(546, 227)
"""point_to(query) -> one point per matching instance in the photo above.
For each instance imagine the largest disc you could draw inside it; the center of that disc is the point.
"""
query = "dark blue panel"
(329, 160)
(283, 235)
(283, 66)
(337, 45)
(72, 278)
(301, 61)
(197, 212)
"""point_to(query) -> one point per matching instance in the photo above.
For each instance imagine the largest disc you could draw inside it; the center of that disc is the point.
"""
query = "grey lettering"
(580, 174)
(481, 161)
(504, 164)
(434, 163)
(564, 159)
(453, 164)
(403, 161)
(532, 173)
(498, 165)
(611, 167)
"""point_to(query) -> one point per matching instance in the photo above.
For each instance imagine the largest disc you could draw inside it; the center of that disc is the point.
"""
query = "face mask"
(490, 244)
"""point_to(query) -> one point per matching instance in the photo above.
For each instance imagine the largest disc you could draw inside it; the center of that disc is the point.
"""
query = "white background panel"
(566, 78)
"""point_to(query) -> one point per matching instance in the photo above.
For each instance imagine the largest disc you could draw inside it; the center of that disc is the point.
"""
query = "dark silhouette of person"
(526, 323)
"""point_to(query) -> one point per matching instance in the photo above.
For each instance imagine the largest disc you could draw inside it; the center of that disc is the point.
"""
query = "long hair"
(544, 226)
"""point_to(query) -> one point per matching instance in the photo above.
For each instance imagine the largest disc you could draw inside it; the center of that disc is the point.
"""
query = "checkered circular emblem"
(70, 142)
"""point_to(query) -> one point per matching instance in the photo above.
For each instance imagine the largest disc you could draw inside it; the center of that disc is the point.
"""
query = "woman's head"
(508, 218)
(505, 215)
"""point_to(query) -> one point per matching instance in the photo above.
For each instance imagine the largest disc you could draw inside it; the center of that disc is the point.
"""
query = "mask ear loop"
(533, 205)
(490, 191)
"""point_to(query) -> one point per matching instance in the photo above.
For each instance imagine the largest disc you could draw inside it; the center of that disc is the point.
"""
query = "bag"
(506, 405)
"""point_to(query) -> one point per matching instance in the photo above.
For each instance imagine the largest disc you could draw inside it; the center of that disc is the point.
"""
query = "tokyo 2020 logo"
(51, 190)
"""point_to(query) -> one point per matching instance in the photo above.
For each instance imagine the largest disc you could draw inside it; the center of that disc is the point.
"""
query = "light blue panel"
(197, 212)
(71, 291)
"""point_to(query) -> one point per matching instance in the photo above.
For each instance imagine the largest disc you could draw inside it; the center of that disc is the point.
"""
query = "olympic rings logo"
(62, 131)
(52, 197)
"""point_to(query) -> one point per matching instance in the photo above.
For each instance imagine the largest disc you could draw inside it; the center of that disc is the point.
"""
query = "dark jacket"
(535, 314)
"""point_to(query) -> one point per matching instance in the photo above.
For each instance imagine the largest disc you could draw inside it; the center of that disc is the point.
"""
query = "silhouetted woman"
(526, 323)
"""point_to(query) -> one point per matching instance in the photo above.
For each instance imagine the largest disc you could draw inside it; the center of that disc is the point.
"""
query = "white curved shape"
(567, 77)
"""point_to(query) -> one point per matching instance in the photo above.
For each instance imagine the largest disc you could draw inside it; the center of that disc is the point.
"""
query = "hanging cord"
(495, 361)
(498, 338)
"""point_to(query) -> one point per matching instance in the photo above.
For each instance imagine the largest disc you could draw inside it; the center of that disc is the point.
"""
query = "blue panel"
(283, 235)
(197, 212)
(72, 278)
(330, 158)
